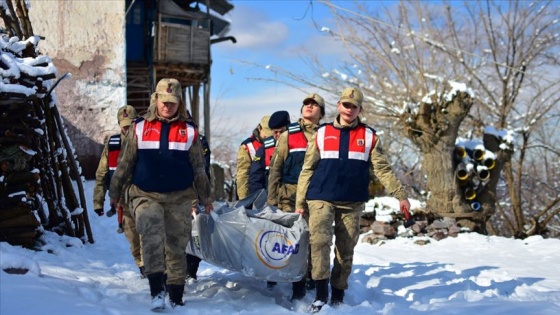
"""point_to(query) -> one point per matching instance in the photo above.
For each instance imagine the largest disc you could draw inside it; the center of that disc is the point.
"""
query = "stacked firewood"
(41, 187)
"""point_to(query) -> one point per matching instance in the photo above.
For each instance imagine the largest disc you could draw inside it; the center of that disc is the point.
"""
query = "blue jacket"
(342, 173)
(258, 175)
(164, 147)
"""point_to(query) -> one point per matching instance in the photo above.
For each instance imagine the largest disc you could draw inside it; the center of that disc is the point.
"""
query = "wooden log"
(16, 141)
(5, 168)
(22, 177)
(8, 101)
(19, 127)
(16, 112)
(27, 30)
(24, 238)
(24, 220)
(14, 232)
(25, 123)
(9, 202)
(75, 173)
(15, 105)
(41, 160)
(43, 77)
(14, 94)
(27, 82)
(53, 168)
(29, 187)
(8, 15)
(68, 188)
(14, 211)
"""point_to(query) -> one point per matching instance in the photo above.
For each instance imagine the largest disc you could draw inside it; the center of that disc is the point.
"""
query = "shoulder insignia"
(115, 140)
(294, 127)
(269, 142)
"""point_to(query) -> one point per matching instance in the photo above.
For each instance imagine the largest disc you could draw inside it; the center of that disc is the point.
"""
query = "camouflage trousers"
(133, 238)
(290, 208)
(287, 197)
(286, 207)
(129, 227)
(164, 223)
(346, 219)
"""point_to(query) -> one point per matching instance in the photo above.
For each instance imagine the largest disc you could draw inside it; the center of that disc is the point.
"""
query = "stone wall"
(86, 39)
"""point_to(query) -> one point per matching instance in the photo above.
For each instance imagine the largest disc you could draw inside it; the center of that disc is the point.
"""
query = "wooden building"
(172, 38)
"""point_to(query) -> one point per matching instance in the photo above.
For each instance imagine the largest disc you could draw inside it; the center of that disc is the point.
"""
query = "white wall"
(87, 39)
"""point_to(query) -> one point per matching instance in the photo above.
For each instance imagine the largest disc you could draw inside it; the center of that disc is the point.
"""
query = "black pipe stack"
(473, 163)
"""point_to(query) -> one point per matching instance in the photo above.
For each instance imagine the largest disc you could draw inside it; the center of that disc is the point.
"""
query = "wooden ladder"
(139, 87)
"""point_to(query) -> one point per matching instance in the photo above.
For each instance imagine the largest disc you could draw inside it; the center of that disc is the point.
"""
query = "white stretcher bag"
(265, 244)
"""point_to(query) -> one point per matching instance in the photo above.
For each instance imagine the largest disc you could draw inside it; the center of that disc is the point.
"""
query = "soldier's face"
(348, 112)
(311, 111)
(167, 109)
(277, 132)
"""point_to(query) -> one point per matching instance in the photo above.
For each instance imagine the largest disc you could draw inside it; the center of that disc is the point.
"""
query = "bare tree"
(224, 151)
(410, 60)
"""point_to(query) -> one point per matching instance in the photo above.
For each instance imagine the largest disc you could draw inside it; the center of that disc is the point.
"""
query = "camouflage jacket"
(100, 188)
(244, 167)
(277, 165)
(381, 167)
(127, 159)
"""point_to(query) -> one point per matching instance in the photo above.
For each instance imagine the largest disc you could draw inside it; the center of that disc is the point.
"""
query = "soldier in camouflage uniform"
(258, 174)
(286, 165)
(333, 186)
(164, 157)
(107, 165)
(290, 150)
(245, 156)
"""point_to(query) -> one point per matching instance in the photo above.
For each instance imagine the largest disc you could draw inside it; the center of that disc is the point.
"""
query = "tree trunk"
(434, 131)
(440, 180)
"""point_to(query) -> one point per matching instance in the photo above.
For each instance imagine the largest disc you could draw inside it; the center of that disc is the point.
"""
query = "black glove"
(99, 212)
(111, 212)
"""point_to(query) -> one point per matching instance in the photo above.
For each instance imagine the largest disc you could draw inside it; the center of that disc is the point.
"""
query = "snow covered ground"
(470, 274)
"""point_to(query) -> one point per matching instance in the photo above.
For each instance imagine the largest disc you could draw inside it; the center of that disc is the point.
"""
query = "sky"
(469, 274)
(268, 33)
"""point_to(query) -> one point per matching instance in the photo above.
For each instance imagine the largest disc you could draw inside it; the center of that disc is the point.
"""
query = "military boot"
(337, 296)
(157, 291)
(298, 290)
(321, 295)
(193, 263)
(176, 294)
(310, 285)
